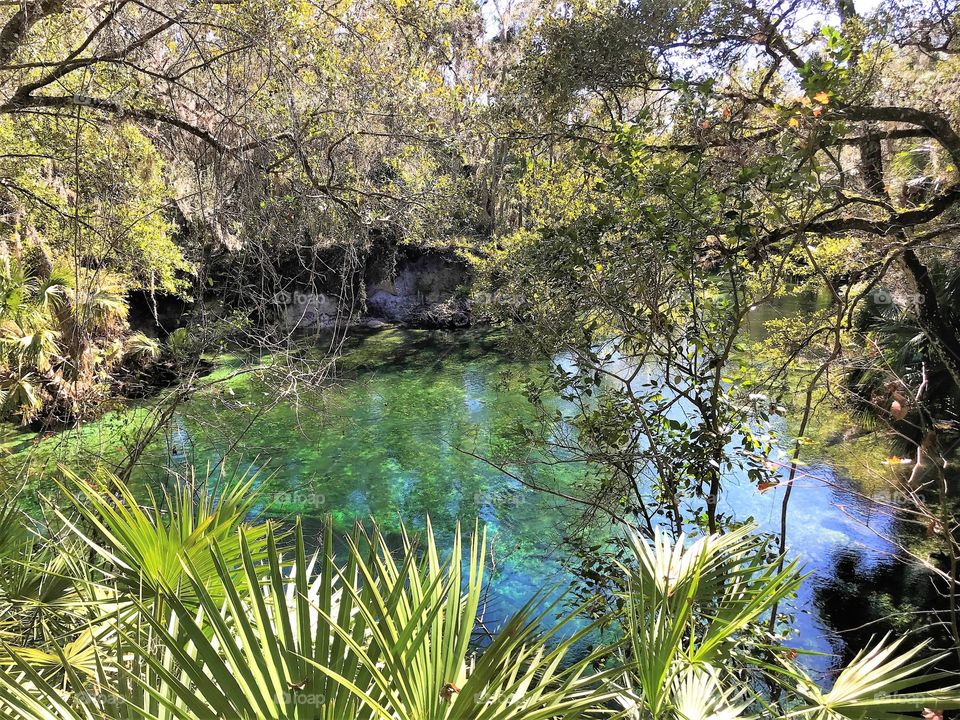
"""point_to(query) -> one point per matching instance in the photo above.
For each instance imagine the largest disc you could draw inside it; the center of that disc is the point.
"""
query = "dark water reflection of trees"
(863, 598)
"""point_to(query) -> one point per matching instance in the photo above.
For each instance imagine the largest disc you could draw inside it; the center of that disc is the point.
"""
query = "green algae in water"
(384, 442)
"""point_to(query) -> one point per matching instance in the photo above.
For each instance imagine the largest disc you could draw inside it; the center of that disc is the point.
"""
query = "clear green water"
(385, 442)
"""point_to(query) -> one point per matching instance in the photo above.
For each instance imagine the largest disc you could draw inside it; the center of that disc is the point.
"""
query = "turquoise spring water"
(386, 442)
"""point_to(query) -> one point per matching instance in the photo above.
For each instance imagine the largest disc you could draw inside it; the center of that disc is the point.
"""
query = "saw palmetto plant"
(696, 650)
(211, 616)
(55, 336)
(184, 608)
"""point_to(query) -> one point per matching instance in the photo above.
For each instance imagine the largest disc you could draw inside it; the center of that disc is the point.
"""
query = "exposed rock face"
(401, 284)
(310, 310)
(422, 291)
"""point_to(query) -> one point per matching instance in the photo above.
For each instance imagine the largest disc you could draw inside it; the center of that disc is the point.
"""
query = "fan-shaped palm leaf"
(147, 546)
(873, 684)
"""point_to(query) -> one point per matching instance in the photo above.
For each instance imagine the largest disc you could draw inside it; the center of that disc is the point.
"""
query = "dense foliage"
(736, 161)
(646, 191)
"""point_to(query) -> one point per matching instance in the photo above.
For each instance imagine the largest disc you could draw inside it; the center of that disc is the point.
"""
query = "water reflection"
(385, 444)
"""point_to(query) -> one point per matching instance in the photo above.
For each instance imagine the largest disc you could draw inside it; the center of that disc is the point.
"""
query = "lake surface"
(387, 441)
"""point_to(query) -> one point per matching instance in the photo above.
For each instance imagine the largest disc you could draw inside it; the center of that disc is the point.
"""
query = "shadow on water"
(862, 599)
(365, 350)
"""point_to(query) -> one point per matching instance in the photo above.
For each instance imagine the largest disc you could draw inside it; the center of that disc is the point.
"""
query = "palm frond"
(873, 686)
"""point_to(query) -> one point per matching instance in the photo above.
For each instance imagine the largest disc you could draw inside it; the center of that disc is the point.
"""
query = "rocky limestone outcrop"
(419, 288)
(423, 291)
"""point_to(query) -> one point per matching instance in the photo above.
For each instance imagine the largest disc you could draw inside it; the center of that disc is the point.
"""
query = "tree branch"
(19, 24)
(16, 104)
